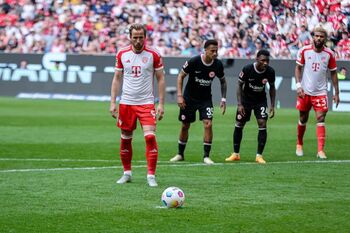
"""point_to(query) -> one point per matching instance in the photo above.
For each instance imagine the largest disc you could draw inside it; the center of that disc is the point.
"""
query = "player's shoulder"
(194, 61)
(270, 69)
(306, 48)
(328, 50)
(124, 50)
(218, 62)
(152, 50)
(249, 67)
(196, 58)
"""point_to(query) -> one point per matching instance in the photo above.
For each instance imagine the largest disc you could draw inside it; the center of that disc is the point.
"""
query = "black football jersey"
(201, 76)
(254, 83)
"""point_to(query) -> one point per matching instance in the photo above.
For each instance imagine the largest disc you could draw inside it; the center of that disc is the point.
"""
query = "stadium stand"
(178, 27)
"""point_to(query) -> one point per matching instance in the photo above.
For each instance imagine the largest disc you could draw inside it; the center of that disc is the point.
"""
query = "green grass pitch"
(59, 162)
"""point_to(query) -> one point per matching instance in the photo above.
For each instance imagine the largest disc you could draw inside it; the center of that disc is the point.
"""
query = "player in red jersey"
(311, 84)
(135, 67)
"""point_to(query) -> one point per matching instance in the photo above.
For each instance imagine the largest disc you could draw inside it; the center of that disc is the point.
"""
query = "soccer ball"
(173, 197)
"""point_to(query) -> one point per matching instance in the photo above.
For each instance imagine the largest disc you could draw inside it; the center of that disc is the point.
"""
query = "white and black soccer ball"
(173, 197)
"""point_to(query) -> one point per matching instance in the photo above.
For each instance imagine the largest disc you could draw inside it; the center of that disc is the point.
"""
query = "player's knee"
(262, 123)
(185, 126)
(150, 139)
(126, 135)
(207, 124)
(320, 118)
(239, 124)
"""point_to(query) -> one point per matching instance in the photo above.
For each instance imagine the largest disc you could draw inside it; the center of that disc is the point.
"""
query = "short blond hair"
(320, 29)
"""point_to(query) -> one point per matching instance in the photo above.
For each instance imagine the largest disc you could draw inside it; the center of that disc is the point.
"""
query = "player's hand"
(181, 102)
(272, 112)
(223, 107)
(336, 100)
(113, 110)
(160, 111)
(240, 109)
(300, 92)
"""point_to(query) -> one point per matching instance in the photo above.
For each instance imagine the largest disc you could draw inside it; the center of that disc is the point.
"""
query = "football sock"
(126, 152)
(206, 148)
(301, 132)
(181, 148)
(321, 135)
(262, 135)
(151, 153)
(237, 138)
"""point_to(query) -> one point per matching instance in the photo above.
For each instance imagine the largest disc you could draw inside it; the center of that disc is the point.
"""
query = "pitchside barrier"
(89, 77)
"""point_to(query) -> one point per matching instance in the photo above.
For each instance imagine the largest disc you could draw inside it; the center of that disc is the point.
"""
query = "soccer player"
(251, 96)
(135, 67)
(311, 87)
(202, 70)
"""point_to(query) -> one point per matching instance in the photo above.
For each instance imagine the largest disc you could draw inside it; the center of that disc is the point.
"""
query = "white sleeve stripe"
(159, 68)
(299, 63)
(333, 69)
(119, 69)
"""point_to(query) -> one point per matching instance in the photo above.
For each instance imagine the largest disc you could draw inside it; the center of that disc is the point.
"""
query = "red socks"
(126, 153)
(321, 136)
(301, 131)
(151, 153)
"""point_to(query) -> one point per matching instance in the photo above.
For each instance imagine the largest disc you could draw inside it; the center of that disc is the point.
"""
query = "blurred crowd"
(175, 27)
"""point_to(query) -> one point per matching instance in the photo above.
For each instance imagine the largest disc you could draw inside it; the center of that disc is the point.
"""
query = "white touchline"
(167, 165)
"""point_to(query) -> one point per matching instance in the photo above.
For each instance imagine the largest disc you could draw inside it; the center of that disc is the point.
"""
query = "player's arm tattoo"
(272, 94)
(180, 79)
(239, 92)
(223, 87)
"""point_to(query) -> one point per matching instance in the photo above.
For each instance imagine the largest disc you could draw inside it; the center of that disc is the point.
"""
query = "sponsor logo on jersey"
(203, 82)
(256, 88)
(212, 74)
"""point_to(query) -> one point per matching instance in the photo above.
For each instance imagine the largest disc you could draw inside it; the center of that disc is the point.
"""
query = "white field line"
(168, 165)
(76, 160)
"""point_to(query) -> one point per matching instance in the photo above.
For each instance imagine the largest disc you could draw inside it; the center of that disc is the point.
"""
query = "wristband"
(298, 85)
(223, 99)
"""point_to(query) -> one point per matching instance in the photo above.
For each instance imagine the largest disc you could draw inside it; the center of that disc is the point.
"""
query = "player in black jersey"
(251, 95)
(202, 70)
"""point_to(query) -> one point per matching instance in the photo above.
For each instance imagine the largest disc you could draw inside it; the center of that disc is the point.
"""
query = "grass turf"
(75, 144)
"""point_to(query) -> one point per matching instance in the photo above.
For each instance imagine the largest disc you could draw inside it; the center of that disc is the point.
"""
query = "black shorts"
(260, 112)
(205, 109)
